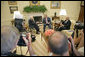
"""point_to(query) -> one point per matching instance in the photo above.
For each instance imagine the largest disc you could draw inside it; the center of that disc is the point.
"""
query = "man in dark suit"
(65, 25)
(46, 22)
(32, 24)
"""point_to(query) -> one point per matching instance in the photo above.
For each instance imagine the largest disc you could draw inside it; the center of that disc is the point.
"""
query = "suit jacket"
(31, 23)
(67, 24)
(48, 19)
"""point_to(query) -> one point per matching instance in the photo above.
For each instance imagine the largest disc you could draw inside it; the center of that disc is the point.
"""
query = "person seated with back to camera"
(32, 24)
(79, 41)
(65, 25)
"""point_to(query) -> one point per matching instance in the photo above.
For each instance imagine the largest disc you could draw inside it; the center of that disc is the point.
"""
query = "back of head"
(9, 38)
(58, 43)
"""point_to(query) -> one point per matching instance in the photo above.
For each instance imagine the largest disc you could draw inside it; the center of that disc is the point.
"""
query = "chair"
(31, 29)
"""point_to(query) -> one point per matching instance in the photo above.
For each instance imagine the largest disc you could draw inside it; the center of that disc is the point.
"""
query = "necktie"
(46, 21)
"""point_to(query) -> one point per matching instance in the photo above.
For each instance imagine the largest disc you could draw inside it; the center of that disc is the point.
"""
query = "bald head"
(58, 43)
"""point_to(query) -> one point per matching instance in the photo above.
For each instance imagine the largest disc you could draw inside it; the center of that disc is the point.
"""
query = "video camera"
(21, 41)
(79, 25)
(32, 36)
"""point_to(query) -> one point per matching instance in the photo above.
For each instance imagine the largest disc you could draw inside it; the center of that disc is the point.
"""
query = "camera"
(32, 36)
(24, 35)
(79, 25)
(21, 41)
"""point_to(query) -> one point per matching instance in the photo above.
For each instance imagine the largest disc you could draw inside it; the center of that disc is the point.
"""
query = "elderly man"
(47, 22)
(65, 25)
(32, 24)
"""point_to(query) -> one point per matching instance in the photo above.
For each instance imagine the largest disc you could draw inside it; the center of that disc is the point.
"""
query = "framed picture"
(82, 3)
(12, 2)
(13, 8)
(34, 3)
(55, 4)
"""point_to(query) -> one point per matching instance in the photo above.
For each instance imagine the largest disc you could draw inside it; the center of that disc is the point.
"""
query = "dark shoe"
(38, 32)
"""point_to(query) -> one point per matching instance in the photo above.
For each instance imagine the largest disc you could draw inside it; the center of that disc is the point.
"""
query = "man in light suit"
(46, 22)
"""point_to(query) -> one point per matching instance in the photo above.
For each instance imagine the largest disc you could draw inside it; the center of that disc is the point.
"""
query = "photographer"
(74, 50)
(9, 39)
(28, 41)
(55, 50)
(78, 26)
(57, 43)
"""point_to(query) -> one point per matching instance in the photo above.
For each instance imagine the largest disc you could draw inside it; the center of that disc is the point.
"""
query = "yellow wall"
(72, 8)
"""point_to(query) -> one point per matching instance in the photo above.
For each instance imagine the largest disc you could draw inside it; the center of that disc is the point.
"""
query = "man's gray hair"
(9, 38)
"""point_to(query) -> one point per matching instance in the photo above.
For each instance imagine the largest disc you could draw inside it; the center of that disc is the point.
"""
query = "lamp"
(18, 15)
(63, 12)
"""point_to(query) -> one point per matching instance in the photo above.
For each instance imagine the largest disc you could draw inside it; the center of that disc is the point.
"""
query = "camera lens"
(23, 35)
